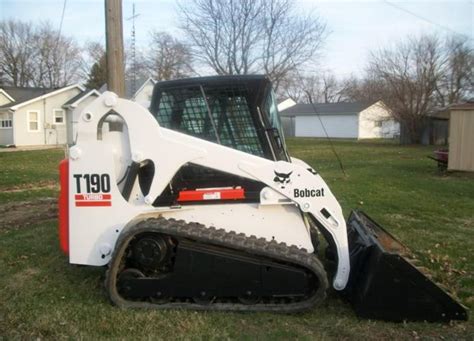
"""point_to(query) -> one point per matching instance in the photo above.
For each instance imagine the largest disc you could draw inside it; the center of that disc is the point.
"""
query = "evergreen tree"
(98, 74)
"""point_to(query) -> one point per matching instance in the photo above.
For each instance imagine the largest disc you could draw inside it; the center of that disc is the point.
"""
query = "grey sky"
(355, 26)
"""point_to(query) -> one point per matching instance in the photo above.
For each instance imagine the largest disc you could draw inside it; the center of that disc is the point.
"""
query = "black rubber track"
(251, 245)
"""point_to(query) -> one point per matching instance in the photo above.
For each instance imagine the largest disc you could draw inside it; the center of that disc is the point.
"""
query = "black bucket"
(384, 285)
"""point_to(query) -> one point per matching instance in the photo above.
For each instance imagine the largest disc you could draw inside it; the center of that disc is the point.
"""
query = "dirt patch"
(402, 218)
(32, 187)
(22, 278)
(24, 213)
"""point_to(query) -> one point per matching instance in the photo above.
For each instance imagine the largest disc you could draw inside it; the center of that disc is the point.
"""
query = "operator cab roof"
(216, 80)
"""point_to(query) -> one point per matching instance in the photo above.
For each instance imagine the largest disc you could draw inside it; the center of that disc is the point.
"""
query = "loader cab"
(239, 112)
(236, 111)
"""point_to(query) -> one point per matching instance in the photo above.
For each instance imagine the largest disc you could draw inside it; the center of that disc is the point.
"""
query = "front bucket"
(384, 285)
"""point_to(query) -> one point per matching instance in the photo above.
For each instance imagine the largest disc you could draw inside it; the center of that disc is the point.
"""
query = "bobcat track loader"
(197, 204)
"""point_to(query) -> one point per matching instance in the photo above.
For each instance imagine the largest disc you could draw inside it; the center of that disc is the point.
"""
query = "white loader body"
(97, 215)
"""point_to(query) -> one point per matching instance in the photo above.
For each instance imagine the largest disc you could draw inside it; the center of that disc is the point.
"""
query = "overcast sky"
(355, 26)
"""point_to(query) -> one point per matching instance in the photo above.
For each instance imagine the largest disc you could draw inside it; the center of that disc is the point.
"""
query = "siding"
(6, 134)
(288, 125)
(49, 132)
(4, 99)
(339, 126)
(368, 119)
(461, 140)
(144, 96)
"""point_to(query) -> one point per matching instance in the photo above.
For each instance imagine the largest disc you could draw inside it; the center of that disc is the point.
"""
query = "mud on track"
(23, 213)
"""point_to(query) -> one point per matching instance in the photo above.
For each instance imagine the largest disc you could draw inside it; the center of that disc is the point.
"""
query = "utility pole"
(114, 47)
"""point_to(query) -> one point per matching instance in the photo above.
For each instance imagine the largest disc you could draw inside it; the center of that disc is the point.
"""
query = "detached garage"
(341, 120)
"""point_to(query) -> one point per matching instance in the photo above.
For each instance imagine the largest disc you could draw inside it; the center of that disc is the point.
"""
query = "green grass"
(27, 175)
(41, 295)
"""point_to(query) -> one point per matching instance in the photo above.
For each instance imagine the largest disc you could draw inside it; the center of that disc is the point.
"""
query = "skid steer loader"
(197, 204)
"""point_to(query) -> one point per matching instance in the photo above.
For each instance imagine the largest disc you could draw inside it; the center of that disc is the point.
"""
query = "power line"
(341, 166)
(61, 23)
(446, 28)
(59, 30)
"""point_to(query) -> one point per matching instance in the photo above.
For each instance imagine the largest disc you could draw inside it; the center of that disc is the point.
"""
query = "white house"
(144, 93)
(339, 120)
(39, 116)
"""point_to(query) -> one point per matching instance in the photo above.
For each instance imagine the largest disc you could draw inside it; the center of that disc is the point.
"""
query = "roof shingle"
(21, 95)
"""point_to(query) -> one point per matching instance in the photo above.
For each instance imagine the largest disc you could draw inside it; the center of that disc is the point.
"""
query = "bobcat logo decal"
(282, 178)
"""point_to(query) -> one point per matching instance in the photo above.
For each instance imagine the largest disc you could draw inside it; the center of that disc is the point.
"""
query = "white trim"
(63, 116)
(153, 82)
(13, 126)
(76, 103)
(28, 121)
(7, 95)
(49, 94)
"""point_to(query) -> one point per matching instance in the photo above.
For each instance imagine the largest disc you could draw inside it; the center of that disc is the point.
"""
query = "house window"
(33, 120)
(59, 116)
(378, 124)
(5, 121)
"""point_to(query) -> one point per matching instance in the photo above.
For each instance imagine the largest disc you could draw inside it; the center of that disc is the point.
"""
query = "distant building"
(39, 116)
(339, 120)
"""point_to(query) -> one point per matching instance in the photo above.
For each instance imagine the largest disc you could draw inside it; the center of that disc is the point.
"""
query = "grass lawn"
(42, 296)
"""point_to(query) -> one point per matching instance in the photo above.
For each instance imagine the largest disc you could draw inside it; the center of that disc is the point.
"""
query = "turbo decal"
(92, 190)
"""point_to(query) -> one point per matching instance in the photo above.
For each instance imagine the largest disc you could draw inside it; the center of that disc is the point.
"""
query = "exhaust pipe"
(385, 285)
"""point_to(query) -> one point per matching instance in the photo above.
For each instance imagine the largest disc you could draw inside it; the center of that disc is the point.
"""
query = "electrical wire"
(423, 18)
(341, 166)
(61, 23)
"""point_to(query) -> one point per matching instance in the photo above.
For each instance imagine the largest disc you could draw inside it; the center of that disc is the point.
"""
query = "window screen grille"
(190, 110)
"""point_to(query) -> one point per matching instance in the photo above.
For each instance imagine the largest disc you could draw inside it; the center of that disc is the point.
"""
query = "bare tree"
(457, 71)
(290, 87)
(367, 89)
(37, 55)
(93, 52)
(167, 58)
(410, 73)
(58, 58)
(248, 36)
(16, 52)
(289, 39)
(416, 77)
(323, 88)
(318, 88)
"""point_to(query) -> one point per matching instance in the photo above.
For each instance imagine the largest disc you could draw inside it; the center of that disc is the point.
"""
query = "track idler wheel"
(150, 251)
(130, 273)
(159, 298)
(204, 298)
(249, 298)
